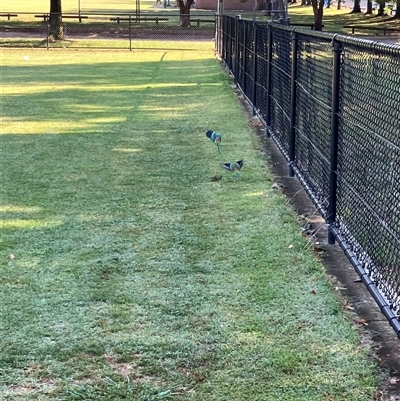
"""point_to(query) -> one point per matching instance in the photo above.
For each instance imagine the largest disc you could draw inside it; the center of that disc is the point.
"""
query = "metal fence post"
(236, 61)
(226, 34)
(337, 50)
(216, 35)
(137, 10)
(228, 42)
(254, 72)
(269, 80)
(47, 33)
(293, 92)
(130, 32)
(230, 22)
(244, 61)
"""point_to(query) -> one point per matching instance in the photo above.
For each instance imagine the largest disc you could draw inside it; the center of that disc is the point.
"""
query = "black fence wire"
(95, 30)
(332, 105)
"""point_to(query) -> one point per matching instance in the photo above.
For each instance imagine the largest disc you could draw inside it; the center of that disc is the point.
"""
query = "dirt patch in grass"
(43, 385)
(130, 369)
(124, 368)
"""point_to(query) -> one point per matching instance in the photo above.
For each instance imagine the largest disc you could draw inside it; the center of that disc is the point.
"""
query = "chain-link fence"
(332, 105)
(102, 30)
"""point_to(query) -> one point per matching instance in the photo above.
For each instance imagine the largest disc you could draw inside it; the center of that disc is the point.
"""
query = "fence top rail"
(367, 44)
(382, 47)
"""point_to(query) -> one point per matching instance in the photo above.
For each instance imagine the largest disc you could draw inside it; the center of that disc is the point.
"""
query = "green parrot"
(233, 167)
(215, 138)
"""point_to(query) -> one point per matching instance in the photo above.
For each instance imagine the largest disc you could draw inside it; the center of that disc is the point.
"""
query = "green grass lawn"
(125, 272)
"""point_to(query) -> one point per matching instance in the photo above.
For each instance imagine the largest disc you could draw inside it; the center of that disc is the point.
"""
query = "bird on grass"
(233, 167)
(215, 138)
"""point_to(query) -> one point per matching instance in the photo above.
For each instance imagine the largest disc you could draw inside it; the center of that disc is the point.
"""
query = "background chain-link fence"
(332, 105)
(102, 30)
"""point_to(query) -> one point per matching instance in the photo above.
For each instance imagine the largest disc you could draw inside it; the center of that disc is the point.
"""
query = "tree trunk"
(381, 10)
(260, 4)
(356, 7)
(339, 4)
(397, 13)
(279, 6)
(268, 6)
(56, 30)
(369, 7)
(318, 9)
(184, 11)
(308, 3)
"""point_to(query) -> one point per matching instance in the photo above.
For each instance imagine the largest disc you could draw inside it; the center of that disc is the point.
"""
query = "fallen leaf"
(394, 380)
(216, 177)
(362, 322)
(313, 292)
(255, 122)
(12, 256)
(348, 307)
(290, 246)
(198, 378)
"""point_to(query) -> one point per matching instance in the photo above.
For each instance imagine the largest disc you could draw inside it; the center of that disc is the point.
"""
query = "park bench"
(9, 16)
(312, 26)
(139, 19)
(306, 24)
(80, 17)
(198, 20)
(46, 16)
(370, 28)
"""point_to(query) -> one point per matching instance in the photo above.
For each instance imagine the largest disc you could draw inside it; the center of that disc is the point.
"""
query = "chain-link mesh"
(101, 30)
(261, 81)
(368, 210)
(366, 81)
(313, 109)
(23, 30)
(219, 34)
(281, 66)
(248, 82)
(240, 45)
(227, 40)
